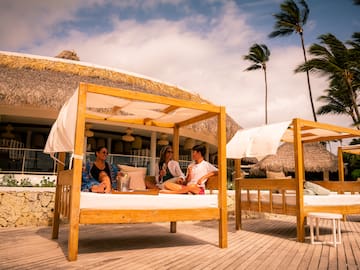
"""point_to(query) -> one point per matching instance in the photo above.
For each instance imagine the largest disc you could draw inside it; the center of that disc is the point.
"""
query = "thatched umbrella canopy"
(35, 84)
(66, 54)
(316, 159)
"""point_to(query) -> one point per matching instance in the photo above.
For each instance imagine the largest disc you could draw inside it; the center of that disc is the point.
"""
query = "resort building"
(34, 88)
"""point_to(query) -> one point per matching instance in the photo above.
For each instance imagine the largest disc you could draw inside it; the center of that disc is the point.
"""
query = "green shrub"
(46, 182)
(9, 180)
(355, 174)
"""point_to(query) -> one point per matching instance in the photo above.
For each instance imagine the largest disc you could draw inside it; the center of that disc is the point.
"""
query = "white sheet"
(315, 200)
(62, 134)
(139, 201)
(338, 199)
(256, 142)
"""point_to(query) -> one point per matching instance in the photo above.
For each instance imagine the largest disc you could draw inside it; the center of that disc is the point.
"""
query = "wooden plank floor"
(262, 244)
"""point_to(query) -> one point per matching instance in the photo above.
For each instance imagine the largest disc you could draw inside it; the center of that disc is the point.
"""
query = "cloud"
(207, 62)
(24, 22)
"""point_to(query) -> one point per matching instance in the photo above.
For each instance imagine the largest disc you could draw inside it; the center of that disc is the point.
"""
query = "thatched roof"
(71, 55)
(45, 82)
(316, 159)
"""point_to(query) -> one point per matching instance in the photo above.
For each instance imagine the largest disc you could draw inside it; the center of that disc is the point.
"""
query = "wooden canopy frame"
(67, 202)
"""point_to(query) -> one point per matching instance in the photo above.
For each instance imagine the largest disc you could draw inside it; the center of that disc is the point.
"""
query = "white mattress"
(139, 201)
(315, 200)
(336, 199)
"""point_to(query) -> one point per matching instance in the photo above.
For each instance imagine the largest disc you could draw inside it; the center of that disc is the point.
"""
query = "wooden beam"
(197, 119)
(139, 96)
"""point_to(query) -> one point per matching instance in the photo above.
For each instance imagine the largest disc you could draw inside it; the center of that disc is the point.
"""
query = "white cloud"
(209, 63)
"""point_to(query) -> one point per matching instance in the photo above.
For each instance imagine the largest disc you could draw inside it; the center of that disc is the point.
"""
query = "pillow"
(126, 168)
(136, 175)
(137, 180)
(308, 192)
(317, 189)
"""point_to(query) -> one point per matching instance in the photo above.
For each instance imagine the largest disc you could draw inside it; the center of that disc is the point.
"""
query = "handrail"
(34, 161)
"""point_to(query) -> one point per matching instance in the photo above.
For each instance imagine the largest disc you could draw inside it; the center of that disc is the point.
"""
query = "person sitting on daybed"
(197, 174)
(167, 169)
(99, 176)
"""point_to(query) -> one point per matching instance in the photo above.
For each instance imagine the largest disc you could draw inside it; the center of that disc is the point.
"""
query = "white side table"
(335, 226)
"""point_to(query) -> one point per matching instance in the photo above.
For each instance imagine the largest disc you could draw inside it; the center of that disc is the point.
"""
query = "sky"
(195, 45)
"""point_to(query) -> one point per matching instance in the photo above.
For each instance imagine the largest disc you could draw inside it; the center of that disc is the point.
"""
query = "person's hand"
(179, 181)
(200, 181)
(162, 173)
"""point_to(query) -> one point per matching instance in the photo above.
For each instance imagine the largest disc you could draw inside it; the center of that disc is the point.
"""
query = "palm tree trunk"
(308, 78)
(266, 97)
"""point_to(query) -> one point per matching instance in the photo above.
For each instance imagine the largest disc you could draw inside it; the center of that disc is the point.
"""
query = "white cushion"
(136, 175)
(317, 189)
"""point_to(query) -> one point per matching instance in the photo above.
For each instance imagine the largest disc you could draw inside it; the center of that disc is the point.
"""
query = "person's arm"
(157, 173)
(175, 170)
(206, 176)
(87, 181)
(188, 173)
(114, 173)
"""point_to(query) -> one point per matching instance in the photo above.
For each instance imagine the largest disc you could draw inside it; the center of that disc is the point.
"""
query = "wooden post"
(237, 168)
(222, 176)
(73, 240)
(237, 194)
(56, 219)
(300, 177)
(340, 165)
(176, 147)
(176, 142)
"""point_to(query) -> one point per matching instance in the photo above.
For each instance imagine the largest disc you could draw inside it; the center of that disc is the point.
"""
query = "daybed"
(123, 107)
(286, 196)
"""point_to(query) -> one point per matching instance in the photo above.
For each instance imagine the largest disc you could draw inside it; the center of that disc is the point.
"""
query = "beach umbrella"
(316, 159)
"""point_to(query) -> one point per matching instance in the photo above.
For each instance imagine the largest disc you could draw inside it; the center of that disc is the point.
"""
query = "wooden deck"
(262, 244)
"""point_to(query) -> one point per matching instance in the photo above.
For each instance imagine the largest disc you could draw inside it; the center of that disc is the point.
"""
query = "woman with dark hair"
(167, 169)
(99, 176)
(197, 174)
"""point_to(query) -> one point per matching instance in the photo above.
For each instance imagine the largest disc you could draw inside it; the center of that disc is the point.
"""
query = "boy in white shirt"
(197, 174)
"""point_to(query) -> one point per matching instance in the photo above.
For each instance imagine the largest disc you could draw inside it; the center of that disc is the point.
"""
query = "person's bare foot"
(98, 188)
(107, 188)
(194, 189)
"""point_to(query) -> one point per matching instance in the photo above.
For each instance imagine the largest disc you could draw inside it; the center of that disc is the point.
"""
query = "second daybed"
(287, 196)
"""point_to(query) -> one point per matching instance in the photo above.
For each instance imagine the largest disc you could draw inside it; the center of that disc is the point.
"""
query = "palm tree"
(259, 55)
(339, 63)
(292, 19)
(337, 101)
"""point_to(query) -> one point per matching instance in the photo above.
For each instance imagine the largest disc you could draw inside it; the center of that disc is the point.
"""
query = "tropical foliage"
(341, 65)
(291, 19)
(259, 54)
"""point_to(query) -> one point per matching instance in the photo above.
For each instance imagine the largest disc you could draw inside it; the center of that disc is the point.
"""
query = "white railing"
(14, 160)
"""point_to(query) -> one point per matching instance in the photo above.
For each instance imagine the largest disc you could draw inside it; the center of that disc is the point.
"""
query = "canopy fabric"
(261, 141)
(123, 106)
(62, 134)
(256, 142)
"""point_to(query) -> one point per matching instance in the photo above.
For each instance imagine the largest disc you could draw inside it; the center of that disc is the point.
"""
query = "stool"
(335, 220)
